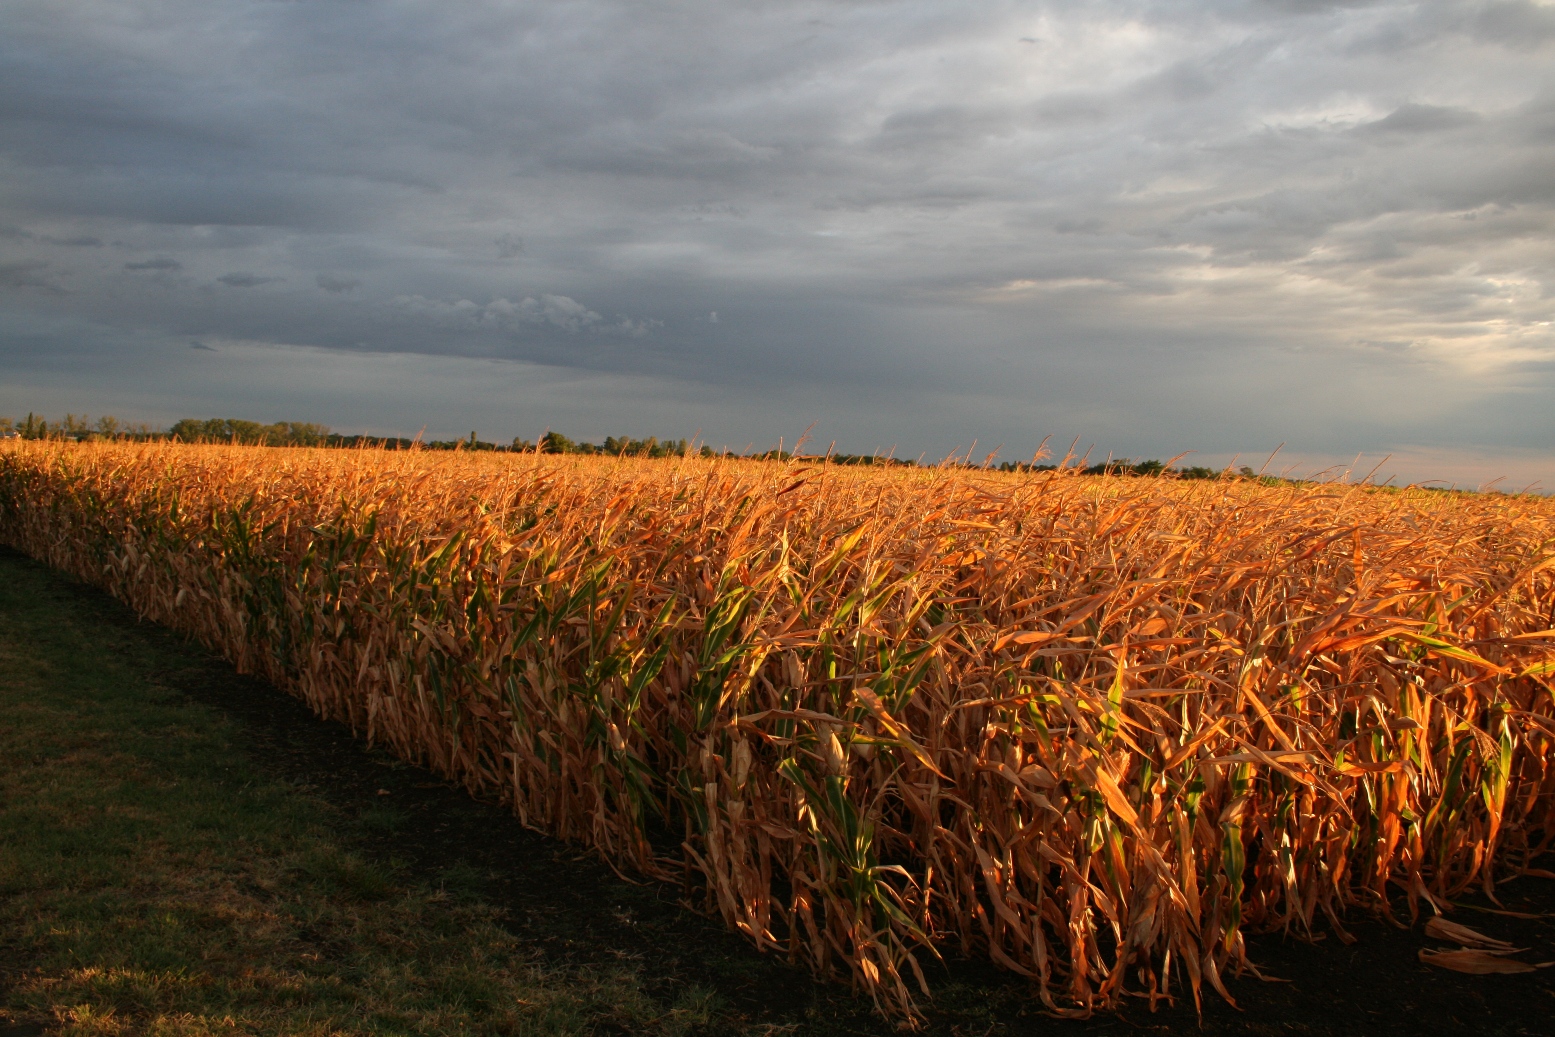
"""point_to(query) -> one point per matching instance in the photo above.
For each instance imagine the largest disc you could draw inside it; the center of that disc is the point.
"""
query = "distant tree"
(230, 430)
(556, 443)
(75, 426)
(1198, 472)
(298, 433)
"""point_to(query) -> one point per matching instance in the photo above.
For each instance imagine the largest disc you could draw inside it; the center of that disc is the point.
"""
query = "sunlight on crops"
(1090, 728)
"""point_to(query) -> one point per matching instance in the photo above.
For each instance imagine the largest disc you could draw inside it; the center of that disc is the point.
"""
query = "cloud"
(1520, 24)
(567, 314)
(626, 327)
(1421, 118)
(246, 280)
(336, 284)
(164, 264)
(201, 345)
(1175, 225)
(27, 274)
(558, 311)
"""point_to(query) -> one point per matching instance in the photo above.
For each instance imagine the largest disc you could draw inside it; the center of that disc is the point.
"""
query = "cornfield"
(1093, 729)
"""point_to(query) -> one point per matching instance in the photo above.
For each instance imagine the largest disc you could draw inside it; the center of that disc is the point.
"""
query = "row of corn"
(1094, 729)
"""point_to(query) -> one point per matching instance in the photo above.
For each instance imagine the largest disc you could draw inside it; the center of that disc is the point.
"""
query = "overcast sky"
(1160, 226)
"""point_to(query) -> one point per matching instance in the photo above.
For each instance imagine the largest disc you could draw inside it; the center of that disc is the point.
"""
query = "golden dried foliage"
(1092, 728)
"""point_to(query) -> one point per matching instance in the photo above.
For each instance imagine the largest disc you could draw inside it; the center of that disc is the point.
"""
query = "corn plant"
(1095, 729)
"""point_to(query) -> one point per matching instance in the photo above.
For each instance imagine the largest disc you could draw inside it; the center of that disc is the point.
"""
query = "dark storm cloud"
(1168, 223)
(1521, 25)
(1420, 118)
(240, 279)
(163, 263)
(335, 284)
(26, 274)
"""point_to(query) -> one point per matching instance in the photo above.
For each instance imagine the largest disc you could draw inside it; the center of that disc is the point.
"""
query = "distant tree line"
(311, 434)
(1124, 466)
(236, 430)
(76, 426)
(307, 433)
(870, 459)
(556, 443)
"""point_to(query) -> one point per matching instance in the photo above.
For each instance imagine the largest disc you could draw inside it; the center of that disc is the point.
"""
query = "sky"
(1181, 225)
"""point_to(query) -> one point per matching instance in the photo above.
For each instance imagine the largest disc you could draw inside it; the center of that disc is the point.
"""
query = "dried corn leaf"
(1475, 962)
(1442, 929)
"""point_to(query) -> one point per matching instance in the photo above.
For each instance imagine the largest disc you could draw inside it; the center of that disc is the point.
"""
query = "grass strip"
(154, 881)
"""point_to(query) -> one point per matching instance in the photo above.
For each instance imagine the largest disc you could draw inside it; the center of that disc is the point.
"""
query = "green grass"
(153, 881)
